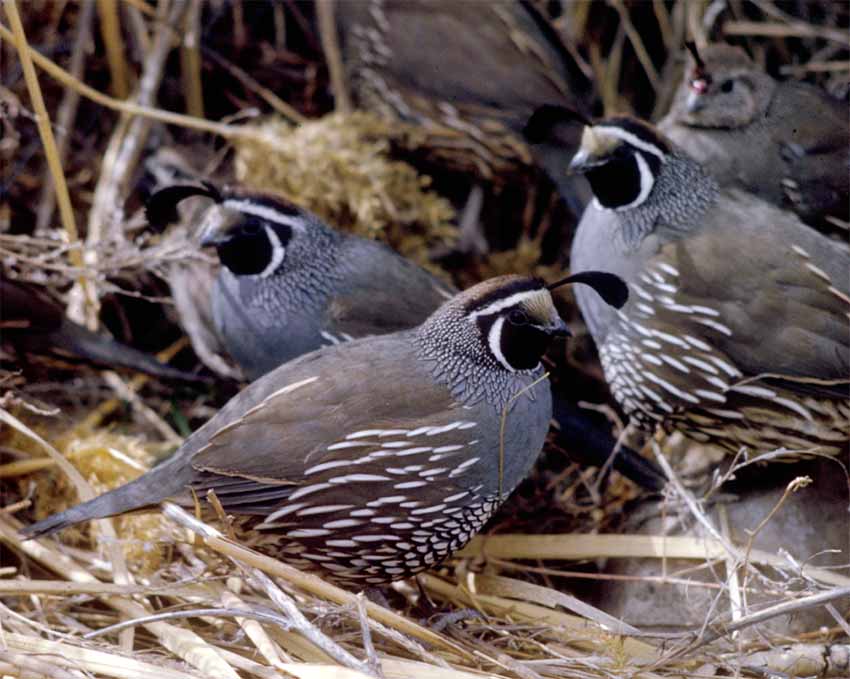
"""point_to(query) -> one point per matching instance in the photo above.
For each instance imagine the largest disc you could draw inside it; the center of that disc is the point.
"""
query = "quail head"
(736, 327)
(787, 142)
(377, 458)
(32, 322)
(289, 283)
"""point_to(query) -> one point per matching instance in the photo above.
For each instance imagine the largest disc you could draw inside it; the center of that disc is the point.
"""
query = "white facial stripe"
(278, 252)
(494, 340)
(263, 212)
(629, 138)
(495, 307)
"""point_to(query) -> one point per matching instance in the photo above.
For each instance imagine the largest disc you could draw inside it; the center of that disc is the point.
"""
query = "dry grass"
(196, 604)
(339, 166)
(227, 611)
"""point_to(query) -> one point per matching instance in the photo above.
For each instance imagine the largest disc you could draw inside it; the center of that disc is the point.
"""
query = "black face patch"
(248, 251)
(523, 345)
(520, 343)
(617, 182)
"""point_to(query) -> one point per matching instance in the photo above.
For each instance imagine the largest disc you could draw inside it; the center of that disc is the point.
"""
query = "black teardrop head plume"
(161, 207)
(541, 122)
(700, 71)
(608, 286)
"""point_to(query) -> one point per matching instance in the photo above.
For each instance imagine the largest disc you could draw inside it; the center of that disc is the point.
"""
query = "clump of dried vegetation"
(89, 90)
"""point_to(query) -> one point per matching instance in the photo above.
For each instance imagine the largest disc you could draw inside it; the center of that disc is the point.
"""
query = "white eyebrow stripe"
(263, 212)
(629, 138)
(505, 303)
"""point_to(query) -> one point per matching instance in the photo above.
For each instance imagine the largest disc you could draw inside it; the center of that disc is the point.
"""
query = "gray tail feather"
(162, 482)
(101, 349)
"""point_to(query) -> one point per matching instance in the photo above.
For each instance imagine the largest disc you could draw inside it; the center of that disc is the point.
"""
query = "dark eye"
(727, 86)
(251, 227)
(517, 317)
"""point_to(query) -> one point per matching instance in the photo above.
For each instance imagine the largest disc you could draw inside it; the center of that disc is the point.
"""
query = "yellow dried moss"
(107, 460)
(339, 167)
(524, 258)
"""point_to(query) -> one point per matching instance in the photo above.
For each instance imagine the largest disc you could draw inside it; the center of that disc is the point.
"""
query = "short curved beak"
(695, 102)
(558, 329)
(211, 240)
(583, 161)
(591, 152)
(579, 163)
(216, 226)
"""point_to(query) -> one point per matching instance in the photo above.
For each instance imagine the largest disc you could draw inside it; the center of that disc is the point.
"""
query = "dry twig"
(67, 113)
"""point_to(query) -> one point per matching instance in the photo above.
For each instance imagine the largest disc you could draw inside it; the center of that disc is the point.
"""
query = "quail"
(787, 142)
(190, 278)
(467, 74)
(289, 283)
(32, 322)
(373, 291)
(377, 458)
(736, 330)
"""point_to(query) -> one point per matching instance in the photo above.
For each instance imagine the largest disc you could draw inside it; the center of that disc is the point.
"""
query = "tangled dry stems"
(196, 604)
